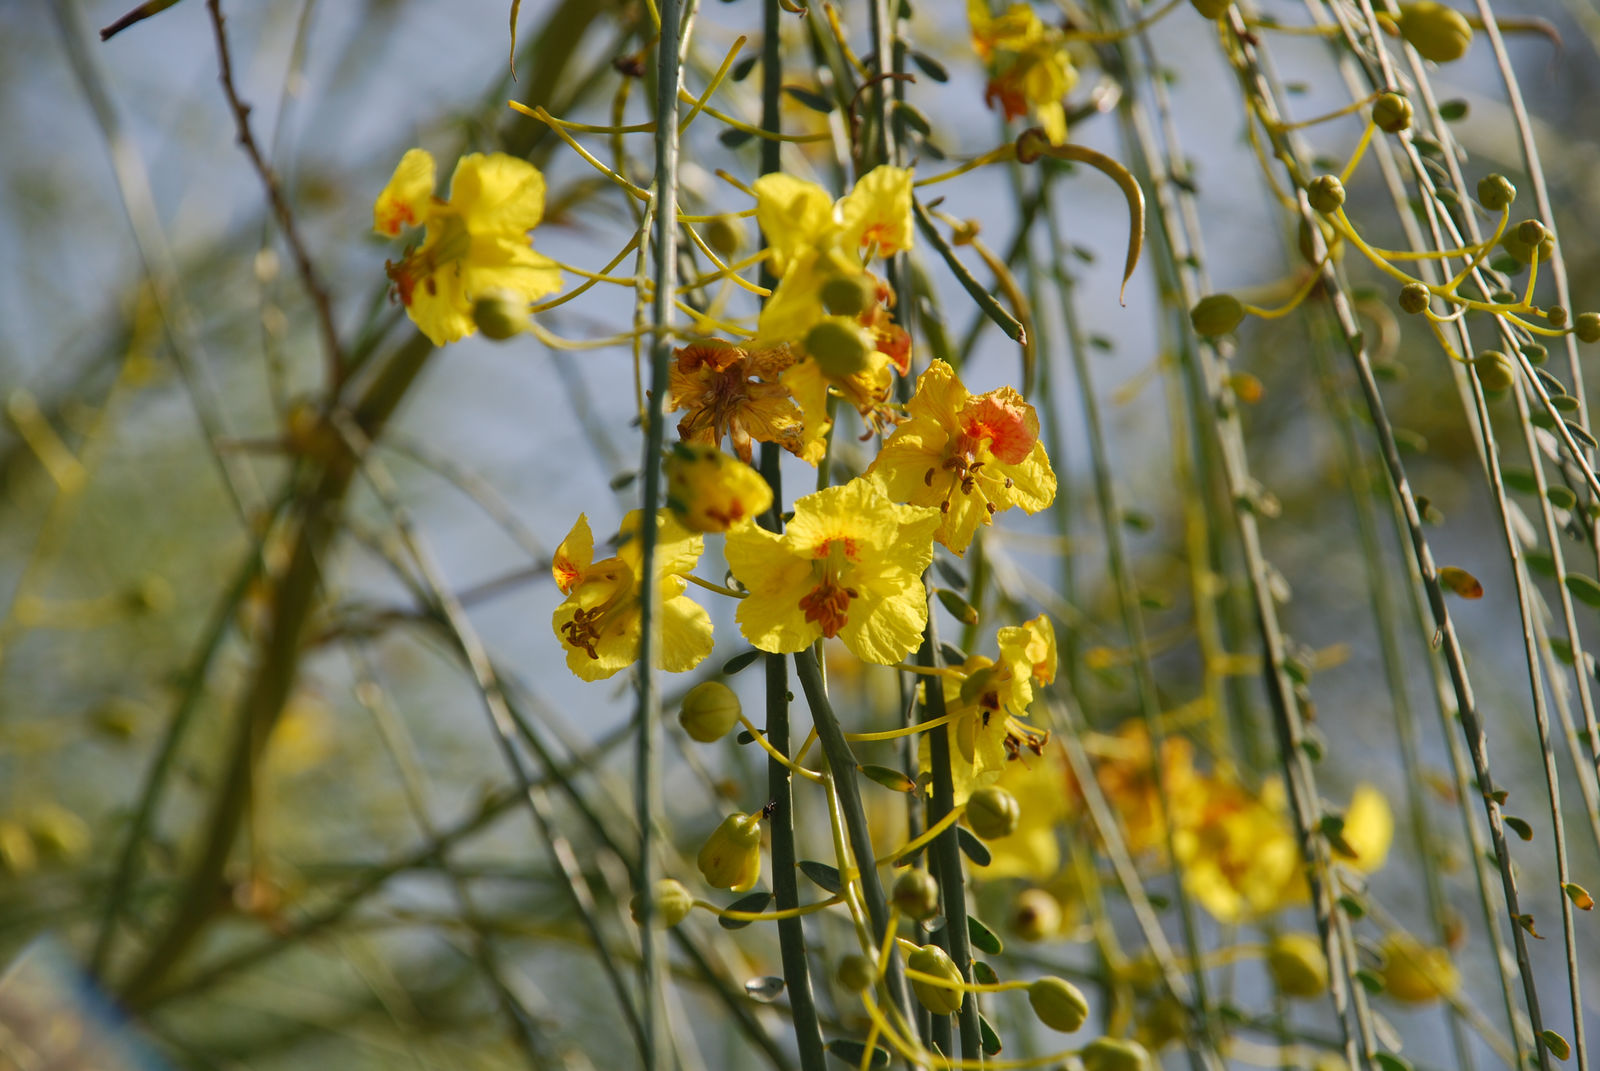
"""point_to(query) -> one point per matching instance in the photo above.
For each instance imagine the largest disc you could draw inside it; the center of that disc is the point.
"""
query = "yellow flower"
(971, 456)
(1368, 828)
(709, 491)
(1031, 851)
(1126, 774)
(849, 565)
(734, 392)
(1416, 973)
(475, 245)
(876, 214)
(598, 624)
(1240, 859)
(1031, 69)
(988, 728)
(731, 856)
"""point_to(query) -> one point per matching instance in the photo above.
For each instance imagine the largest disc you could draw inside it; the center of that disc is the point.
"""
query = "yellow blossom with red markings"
(849, 565)
(475, 243)
(969, 455)
(735, 392)
(711, 492)
(598, 624)
(1030, 67)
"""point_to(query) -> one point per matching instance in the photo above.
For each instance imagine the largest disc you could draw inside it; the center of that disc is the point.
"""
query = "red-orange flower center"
(1004, 424)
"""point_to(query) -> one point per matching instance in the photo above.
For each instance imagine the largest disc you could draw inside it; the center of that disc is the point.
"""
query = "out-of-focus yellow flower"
(711, 492)
(1032, 851)
(971, 456)
(736, 392)
(988, 727)
(598, 624)
(475, 244)
(1239, 857)
(1368, 828)
(849, 565)
(1030, 68)
(731, 856)
(1127, 776)
(1416, 973)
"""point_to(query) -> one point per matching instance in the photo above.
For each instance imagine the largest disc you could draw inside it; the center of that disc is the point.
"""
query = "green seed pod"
(1211, 9)
(1114, 1054)
(1495, 192)
(1587, 327)
(1391, 113)
(1297, 965)
(931, 959)
(670, 904)
(1059, 1004)
(731, 856)
(992, 812)
(1035, 915)
(500, 314)
(1494, 370)
(839, 346)
(1326, 194)
(846, 295)
(855, 973)
(726, 235)
(1556, 316)
(916, 894)
(1414, 298)
(709, 712)
(1216, 315)
(1438, 33)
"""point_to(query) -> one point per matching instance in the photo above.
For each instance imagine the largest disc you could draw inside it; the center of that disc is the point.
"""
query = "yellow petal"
(685, 635)
(408, 198)
(1368, 827)
(771, 618)
(573, 556)
(495, 192)
(878, 211)
(793, 214)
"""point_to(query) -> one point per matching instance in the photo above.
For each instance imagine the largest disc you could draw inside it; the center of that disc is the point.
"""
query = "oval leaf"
(1519, 826)
(959, 608)
(1579, 896)
(982, 937)
(889, 778)
(991, 1040)
(1460, 582)
(1584, 588)
(984, 974)
(756, 901)
(739, 661)
(810, 98)
(851, 1053)
(929, 66)
(972, 847)
(826, 877)
(1556, 1044)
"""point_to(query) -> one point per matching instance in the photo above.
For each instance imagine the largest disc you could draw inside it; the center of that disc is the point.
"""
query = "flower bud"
(731, 856)
(1297, 965)
(1114, 1054)
(1326, 194)
(840, 346)
(1414, 973)
(1514, 242)
(725, 234)
(1059, 1004)
(708, 491)
(846, 295)
(500, 314)
(670, 904)
(1494, 369)
(1556, 316)
(916, 894)
(1414, 297)
(1495, 192)
(1437, 32)
(1035, 915)
(1211, 9)
(933, 960)
(1216, 315)
(709, 712)
(1530, 232)
(855, 973)
(1535, 353)
(1587, 327)
(992, 812)
(1391, 113)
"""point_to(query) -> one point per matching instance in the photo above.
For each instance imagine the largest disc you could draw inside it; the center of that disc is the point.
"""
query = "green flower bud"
(1414, 298)
(1035, 915)
(916, 894)
(1514, 242)
(1216, 315)
(1297, 965)
(1211, 9)
(709, 712)
(500, 314)
(1059, 1004)
(670, 904)
(992, 812)
(1494, 369)
(846, 295)
(1535, 353)
(1438, 33)
(1114, 1054)
(1530, 232)
(726, 235)
(1587, 327)
(1495, 192)
(840, 346)
(1391, 113)
(1556, 316)
(933, 960)
(731, 856)
(1326, 194)
(855, 973)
